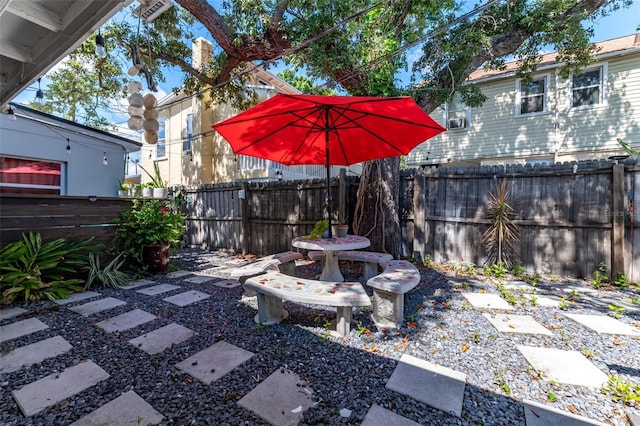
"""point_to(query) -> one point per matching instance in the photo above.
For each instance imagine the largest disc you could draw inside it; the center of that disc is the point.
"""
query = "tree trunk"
(376, 212)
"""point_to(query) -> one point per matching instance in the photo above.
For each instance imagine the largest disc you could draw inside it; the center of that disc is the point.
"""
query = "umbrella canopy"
(329, 130)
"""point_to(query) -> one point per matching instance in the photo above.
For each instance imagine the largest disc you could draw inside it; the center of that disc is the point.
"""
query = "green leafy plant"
(621, 281)
(622, 390)
(319, 228)
(148, 222)
(632, 152)
(156, 177)
(564, 303)
(616, 310)
(502, 234)
(600, 276)
(517, 269)
(587, 353)
(428, 261)
(31, 269)
(498, 270)
(551, 397)
(110, 276)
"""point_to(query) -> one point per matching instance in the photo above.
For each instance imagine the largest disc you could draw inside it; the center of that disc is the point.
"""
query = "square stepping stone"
(178, 274)
(21, 328)
(11, 312)
(537, 414)
(525, 324)
(602, 324)
(379, 416)
(278, 399)
(200, 279)
(126, 321)
(435, 385)
(545, 301)
(76, 297)
(158, 289)
(519, 285)
(157, 341)
(33, 353)
(50, 390)
(227, 283)
(137, 284)
(487, 301)
(568, 367)
(124, 410)
(187, 298)
(98, 306)
(214, 362)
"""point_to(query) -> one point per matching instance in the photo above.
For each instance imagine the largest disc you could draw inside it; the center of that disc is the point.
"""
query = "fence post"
(244, 206)
(617, 221)
(419, 188)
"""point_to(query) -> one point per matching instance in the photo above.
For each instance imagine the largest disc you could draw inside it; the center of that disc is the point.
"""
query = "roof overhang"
(36, 34)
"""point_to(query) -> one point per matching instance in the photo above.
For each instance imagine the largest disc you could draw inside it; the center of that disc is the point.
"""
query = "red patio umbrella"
(329, 130)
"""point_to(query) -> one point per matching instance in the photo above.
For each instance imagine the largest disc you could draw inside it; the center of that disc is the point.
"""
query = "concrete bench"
(397, 278)
(370, 259)
(274, 287)
(285, 262)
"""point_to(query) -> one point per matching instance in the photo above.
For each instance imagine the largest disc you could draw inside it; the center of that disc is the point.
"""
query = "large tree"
(359, 47)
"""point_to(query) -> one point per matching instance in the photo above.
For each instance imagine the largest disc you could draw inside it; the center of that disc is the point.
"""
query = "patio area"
(184, 349)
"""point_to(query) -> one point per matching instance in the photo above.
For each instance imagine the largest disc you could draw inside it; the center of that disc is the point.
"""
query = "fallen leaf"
(571, 408)
(433, 351)
(411, 324)
(618, 343)
(512, 326)
(465, 348)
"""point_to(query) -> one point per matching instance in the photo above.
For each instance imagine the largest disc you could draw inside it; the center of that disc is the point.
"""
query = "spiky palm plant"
(502, 235)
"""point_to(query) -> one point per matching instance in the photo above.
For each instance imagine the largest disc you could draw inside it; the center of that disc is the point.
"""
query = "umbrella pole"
(328, 166)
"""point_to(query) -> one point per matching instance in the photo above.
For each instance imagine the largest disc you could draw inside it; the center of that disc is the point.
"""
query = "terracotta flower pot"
(341, 230)
(156, 258)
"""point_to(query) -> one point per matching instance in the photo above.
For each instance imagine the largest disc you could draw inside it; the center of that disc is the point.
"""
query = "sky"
(620, 23)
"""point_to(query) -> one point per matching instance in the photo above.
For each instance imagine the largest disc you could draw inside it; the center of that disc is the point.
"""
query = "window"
(23, 176)
(532, 97)
(161, 146)
(457, 114)
(587, 89)
(187, 133)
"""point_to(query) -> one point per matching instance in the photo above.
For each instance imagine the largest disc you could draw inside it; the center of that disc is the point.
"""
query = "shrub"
(31, 269)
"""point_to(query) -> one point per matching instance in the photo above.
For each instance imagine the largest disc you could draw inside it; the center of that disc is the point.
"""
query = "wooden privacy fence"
(54, 216)
(570, 217)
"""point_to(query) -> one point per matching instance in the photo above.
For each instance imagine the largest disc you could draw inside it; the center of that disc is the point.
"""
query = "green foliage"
(31, 269)
(600, 276)
(622, 390)
(551, 397)
(629, 149)
(319, 228)
(148, 222)
(621, 281)
(564, 303)
(497, 270)
(110, 276)
(517, 269)
(616, 310)
(428, 261)
(156, 177)
(502, 233)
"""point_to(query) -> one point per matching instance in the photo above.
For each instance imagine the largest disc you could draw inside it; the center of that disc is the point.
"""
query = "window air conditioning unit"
(151, 9)
(457, 123)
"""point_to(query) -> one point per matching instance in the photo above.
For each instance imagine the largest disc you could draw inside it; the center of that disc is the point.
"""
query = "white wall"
(85, 172)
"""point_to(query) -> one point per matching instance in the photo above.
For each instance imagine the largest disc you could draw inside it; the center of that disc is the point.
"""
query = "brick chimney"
(202, 53)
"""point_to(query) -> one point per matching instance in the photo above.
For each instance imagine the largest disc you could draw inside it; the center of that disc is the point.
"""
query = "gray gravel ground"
(343, 372)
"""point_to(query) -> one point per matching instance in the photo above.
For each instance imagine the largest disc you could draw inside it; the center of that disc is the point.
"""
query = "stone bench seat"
(397, 278)
(274, 287)
(285, 262)
(371, 259)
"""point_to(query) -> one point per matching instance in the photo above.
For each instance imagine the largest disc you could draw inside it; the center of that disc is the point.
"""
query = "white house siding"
(497, 136)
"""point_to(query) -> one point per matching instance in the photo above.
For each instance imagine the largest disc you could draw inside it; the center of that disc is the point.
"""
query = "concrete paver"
(545, 301)
(227, 283)
(33, 353)
(178, 274)
(379, 416)
(279, 399)
(137, 284)
(11, 313)
(126, 321)
(77, 297)
(568, 367)
(537, 414)
(97, 306)
(158, 340)
(435, 385)
(525, 324)
(50, 390)
(214, 362)
(126, 409)
(487, 301)
(158, 289)
(21, 328)
(187, 298)
(200, 279)
(602, 324)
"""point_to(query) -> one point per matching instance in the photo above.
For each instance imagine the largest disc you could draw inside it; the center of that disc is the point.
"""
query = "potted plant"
(123, 190)
(157, 185)
(319, 229)
(342, 227)
(147, 231)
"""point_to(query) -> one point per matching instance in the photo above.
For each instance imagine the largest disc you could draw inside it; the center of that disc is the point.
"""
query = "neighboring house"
(190, 152)
(549, 120)
(43, 154)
